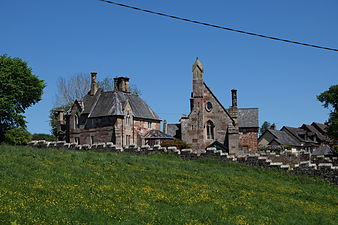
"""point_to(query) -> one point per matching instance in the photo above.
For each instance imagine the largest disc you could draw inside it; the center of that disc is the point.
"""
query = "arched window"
(128, 120)
(210, 130)
(76, 121)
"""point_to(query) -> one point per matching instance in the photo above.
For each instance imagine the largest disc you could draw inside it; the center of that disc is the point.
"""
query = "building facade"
(116, 116)
(210, 123)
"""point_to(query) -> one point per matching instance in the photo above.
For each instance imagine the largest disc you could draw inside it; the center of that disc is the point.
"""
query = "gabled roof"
(226, 111)
(157, 134)
(315, 131)
(248, 117)
(320, 127)
(296, 132)
(283, 138)
(111, 103)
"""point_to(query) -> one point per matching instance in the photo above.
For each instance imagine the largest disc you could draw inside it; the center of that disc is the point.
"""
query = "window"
(77, 140)
(128, 119)
(76, 122)
(149, 124)
(210, 130)
(208, 106)
(127, 140)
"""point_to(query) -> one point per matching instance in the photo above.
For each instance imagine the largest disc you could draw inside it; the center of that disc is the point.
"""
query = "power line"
(220, 27)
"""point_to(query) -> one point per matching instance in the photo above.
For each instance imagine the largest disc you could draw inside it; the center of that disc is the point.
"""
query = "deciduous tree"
(19, 89)
(330, 100)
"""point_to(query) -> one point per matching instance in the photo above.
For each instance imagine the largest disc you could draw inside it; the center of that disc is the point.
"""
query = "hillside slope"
(46, 186)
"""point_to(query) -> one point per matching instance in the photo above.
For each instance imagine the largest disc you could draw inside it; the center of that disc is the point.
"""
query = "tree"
(330, 99)
(77, 86)
(19, 89)
(266, 125)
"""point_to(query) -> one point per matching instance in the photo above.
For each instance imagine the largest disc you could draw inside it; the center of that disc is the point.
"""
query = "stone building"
(108, 116)
(306, 137)
(211, 124)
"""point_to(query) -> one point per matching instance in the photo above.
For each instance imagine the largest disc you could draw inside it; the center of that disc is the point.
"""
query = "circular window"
(208, 106)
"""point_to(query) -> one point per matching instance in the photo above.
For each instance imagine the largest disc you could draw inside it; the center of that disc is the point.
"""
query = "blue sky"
(65, 37)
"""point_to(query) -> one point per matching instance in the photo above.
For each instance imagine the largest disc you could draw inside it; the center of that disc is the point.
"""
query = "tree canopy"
(266, 125)
(19, 89)
(329, 98)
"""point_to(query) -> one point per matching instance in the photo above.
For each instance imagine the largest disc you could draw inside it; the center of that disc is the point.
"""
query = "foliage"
(19, 89)
(179, 144)
(266, 125)
(75, 87)
(46, 137)
(330, 98)
(53, 118)
(17, 136)
(44, 186)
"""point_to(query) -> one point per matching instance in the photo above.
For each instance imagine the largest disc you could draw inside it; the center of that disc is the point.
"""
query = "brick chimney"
(234, 97)
(121, 84)
(93, 88)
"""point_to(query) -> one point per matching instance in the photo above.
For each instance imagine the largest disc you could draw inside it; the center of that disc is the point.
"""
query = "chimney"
(165, 128)
(121, 84)
(93, 88)
(273, 126)
(234, 97)
(60, 119)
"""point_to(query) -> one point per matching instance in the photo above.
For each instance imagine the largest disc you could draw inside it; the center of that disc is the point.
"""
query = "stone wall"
(297, 163)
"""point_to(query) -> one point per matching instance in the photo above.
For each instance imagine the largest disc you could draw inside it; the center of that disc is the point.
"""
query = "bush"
(17, 136)
(46, 137)
(176, 142)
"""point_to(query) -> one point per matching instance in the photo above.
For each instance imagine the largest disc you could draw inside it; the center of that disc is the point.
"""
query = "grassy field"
(45, 186)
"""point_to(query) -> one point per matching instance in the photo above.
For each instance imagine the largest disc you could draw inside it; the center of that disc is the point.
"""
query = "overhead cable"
(220, 27)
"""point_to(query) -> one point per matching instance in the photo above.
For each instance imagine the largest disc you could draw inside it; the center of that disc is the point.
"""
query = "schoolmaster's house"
(117, 116)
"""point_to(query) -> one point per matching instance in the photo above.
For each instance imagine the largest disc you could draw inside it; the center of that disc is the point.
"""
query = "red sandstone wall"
(248, 140)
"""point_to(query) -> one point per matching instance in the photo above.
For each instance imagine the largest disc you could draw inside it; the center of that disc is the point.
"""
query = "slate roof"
(111, 103)
(283, 138)
(320, 126)
(174, 130)
(315, 131)
(248, 117)
(157, 134)
(296, 132)
(323, 150)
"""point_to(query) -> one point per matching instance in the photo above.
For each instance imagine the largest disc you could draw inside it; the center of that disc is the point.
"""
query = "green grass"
(46, 186)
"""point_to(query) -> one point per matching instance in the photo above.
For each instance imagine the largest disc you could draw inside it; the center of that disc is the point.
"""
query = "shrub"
(46, 137)
(176, 142)
(17, 136)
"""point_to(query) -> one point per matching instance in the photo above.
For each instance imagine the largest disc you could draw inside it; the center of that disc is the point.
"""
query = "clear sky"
(64, 37)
